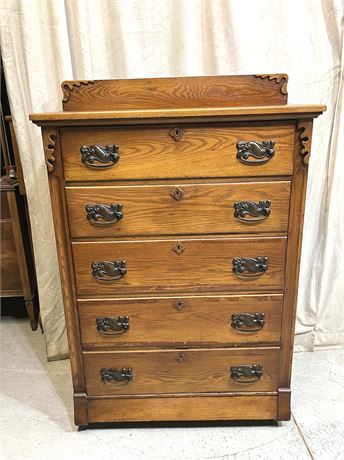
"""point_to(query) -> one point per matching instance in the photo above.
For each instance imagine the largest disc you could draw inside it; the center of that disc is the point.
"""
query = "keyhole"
(179, 305)
(177, 193)
(181, 357)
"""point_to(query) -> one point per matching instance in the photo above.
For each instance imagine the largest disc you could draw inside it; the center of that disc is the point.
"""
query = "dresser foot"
(80, 410)
(283, 404)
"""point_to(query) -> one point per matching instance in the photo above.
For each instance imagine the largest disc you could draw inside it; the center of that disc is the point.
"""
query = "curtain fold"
(47, 41)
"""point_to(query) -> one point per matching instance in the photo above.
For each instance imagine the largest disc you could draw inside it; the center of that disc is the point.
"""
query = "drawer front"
(172, 209)
(183, 151)
(181, 321)
(181, 371)
(186, 265)
(205, 407)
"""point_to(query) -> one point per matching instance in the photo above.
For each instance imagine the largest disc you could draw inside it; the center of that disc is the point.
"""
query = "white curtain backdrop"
(46, 41)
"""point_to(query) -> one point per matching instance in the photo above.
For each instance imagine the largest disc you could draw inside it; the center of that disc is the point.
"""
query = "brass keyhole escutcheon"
(178, 248)
(179, 305)
(181, 357)
(177, 134)
(177, 193)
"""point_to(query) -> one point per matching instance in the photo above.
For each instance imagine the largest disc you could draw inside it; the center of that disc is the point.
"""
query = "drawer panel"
(151, 152)
(184, 265)
(181, 371)
(181, 321)
(172, 209)
(197, 407)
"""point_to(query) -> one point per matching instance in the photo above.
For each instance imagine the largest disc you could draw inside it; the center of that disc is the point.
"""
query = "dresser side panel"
(51, 143)
(303, 135)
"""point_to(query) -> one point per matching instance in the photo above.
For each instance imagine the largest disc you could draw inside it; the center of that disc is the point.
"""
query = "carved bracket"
(69, 86)
(50, 140)
(278, 78)
(304, 135)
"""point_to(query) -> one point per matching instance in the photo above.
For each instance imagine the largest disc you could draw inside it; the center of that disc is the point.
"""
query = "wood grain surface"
(181, 321)
(148, 93)
(180, 371)
(203, 208)
(204, 265)
(203, 151)
(161, 116)
(198, 407)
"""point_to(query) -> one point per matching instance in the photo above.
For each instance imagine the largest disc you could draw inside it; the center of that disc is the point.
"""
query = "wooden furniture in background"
(17, 277)
(178, 208)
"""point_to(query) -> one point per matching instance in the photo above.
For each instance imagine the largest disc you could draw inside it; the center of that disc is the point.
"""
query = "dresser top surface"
(280, 112)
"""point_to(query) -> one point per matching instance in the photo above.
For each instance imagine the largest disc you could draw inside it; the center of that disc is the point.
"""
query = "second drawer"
(181, 321)
(178, 209)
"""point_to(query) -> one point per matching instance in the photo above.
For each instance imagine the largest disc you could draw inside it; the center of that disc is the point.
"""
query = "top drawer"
(177, 151)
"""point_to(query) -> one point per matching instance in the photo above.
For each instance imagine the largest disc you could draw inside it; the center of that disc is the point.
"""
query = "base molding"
(283, 398)
(195, 408)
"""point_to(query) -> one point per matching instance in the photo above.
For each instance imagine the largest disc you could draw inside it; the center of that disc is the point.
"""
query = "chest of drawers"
(178, 209)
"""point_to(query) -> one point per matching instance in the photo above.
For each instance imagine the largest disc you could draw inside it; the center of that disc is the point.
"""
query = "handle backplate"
(112, 326)
(98, 156)
(248, 322)
(246, 374)
(250, 267)
(254, 152)
(116, 377)
(108, 272)
(103, 214)
(252, 212)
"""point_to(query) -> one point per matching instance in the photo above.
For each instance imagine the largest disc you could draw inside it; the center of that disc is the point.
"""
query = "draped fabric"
(47, 41)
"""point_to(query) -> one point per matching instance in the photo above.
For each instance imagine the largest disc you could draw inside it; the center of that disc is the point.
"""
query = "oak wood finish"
(152, 153)
(51, 144)
(204, 264)
(175, 371)
(17, 269)
(178, 236)
(182, 321)
(151, 210)
(197, 407)
(161, 116)
(166, 93)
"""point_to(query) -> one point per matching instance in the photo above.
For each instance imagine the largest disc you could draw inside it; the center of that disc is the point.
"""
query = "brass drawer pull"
(255, 153)
(246, 374)
(116, 377)
(103, 214)
(251, 212)
(99, 157)
(113, 326)
(250, 267)
(109, 271)
(248, 322)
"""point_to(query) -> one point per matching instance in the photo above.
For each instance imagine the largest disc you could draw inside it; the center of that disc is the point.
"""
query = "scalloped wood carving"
(50, 137)
(69, 86)
(278, 77)
(304, 131)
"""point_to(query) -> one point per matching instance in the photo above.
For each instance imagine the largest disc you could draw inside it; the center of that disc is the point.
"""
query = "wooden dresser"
(178, 207)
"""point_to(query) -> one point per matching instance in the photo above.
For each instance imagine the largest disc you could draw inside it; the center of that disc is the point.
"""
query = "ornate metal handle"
(99, 157)
(251, 212)
(248, 322)
(246, 374)
(250, 267)
(103, 214)
(113, 326)
(254, 153)
(109, 271)
(116, 377)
